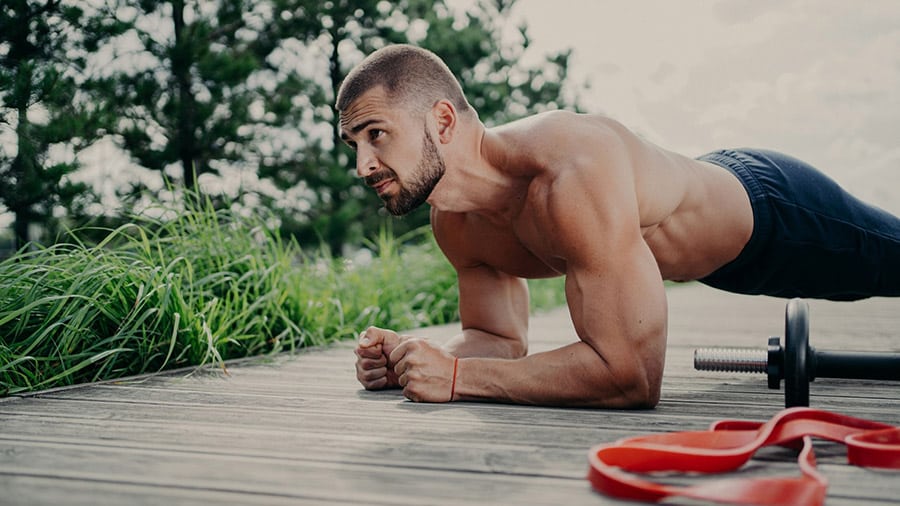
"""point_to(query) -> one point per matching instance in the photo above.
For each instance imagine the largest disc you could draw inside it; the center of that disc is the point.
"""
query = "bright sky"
(818, 79)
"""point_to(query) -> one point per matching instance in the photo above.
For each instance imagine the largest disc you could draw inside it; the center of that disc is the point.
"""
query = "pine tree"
(41, 54)
(179, 82)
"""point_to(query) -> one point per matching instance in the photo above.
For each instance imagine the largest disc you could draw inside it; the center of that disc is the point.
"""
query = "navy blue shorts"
(810, 237)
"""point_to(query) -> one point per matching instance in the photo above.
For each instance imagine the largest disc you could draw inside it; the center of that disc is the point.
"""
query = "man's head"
(412, 77)
(389, 106)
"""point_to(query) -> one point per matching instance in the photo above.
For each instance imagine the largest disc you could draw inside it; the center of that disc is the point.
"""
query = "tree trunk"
(185, 136)
(20, 229)
(23, 165)
(338, 233)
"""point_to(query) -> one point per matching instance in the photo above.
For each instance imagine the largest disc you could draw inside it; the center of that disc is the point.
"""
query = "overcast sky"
(817, 79)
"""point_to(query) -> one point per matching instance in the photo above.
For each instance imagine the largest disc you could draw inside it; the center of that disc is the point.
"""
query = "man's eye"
(375, 133)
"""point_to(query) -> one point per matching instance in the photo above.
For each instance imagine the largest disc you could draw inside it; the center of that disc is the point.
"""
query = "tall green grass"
(201, 288)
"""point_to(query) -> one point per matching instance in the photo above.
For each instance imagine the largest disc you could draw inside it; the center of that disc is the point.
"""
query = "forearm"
(573, 375)
(478, 343)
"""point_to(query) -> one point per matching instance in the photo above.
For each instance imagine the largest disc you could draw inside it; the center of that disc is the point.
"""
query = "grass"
(202, 288)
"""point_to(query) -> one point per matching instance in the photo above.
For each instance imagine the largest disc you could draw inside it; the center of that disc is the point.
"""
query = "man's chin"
(391, 209)
(403, 210)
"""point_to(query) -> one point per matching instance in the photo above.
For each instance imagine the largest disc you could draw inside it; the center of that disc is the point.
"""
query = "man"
(580, 196)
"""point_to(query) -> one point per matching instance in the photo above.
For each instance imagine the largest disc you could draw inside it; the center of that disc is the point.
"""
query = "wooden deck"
(299, 430)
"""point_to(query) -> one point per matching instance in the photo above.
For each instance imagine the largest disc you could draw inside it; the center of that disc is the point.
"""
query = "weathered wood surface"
(299, 430)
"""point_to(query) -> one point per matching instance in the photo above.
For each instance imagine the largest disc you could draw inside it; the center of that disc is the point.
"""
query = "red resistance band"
(727, 445)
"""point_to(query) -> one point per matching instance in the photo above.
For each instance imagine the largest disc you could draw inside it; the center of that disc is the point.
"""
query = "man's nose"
(366, 162)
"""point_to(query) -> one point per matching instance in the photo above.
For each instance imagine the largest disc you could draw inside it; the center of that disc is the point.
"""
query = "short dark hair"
(409, 74)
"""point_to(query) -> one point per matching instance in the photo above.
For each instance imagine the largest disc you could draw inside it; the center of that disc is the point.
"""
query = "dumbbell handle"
(752, 360)
(823, 364)
(854, 364)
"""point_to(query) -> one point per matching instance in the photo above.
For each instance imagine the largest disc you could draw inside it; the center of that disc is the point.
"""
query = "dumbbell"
(797, 363)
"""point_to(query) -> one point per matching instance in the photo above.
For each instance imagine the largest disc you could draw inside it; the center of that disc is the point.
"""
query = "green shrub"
(204, 287)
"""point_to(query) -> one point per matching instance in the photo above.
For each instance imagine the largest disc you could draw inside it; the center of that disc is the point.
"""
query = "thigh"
(825, 242)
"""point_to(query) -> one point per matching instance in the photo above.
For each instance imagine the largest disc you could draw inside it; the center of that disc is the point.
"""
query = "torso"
(694, 216)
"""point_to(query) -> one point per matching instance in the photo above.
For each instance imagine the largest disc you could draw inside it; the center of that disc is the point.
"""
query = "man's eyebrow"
(359, 127)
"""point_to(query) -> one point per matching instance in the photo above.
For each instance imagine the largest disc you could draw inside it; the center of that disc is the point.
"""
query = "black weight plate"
(796, 350)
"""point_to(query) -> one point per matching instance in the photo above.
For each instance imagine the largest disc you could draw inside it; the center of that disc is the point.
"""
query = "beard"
(428, 172)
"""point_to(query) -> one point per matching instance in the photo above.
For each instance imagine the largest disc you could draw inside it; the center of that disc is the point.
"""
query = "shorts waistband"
(739, 163)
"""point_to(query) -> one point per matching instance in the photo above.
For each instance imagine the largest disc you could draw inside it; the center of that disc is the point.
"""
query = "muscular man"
(580, 196)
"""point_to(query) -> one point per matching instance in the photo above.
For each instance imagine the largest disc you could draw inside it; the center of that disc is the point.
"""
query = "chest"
(520, 247)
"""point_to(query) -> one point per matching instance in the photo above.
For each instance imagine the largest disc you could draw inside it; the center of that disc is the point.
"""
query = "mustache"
(378, 177)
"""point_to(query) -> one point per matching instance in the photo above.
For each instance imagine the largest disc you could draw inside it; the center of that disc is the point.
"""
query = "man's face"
(389, 155)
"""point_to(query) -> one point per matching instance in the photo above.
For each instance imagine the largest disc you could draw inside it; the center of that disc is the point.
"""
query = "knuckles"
(371, 363)
(411, 350)
(417, 344)
(370, 374)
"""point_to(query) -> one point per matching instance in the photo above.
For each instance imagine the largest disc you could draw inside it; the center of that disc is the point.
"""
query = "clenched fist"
(425, 371)
(373, 368)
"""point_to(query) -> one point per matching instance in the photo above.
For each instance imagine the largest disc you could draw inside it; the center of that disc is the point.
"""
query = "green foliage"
(39, 61)
(193, 290)
(495, 81)
(402, 288)
(187, 100)
(201, 287)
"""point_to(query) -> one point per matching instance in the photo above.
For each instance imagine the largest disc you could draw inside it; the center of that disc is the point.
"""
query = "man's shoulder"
(558, 139)
(561, 122)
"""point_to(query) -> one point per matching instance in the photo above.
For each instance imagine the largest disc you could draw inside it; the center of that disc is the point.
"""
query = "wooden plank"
(23, 490)
(349, 479)
(307, 479)
(299, 429)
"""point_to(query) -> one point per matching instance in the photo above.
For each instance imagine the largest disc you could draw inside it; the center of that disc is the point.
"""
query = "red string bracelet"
(453, 384)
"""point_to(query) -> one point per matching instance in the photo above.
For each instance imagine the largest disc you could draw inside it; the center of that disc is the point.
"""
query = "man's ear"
(445, 118)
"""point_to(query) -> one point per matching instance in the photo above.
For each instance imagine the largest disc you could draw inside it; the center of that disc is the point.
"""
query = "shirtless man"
(580, 196)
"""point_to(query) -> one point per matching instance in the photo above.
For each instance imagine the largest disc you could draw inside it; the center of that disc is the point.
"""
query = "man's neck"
(477, 179)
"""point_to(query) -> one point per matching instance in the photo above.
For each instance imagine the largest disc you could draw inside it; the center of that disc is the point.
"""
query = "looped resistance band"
(727, 445)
